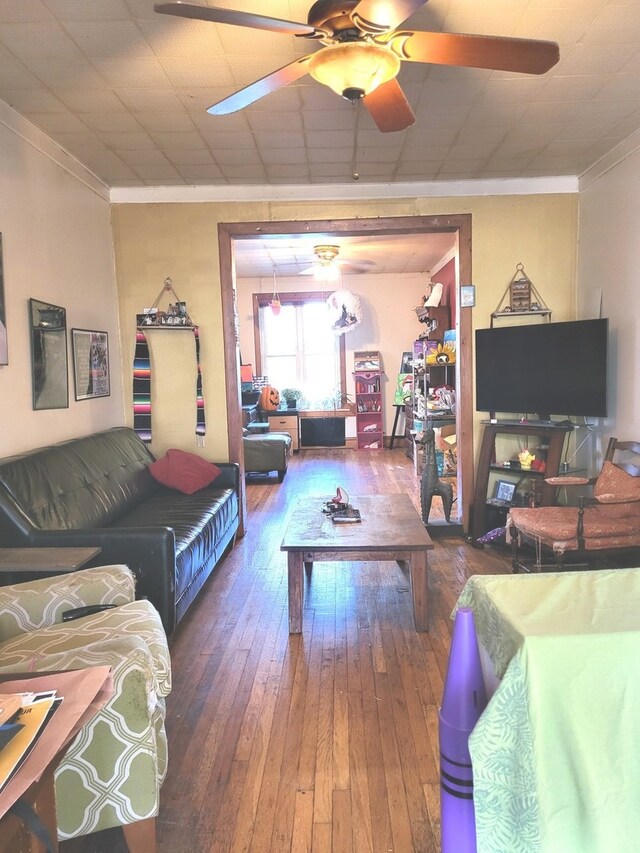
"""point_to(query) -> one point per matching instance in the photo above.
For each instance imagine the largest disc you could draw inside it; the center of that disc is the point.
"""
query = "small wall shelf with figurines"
(521, 299)
(175, 316)
(367, 377)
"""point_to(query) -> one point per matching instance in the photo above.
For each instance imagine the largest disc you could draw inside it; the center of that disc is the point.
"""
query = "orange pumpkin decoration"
(269, 399)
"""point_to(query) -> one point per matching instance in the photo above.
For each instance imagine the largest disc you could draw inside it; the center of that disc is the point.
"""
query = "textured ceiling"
(126, 90)
(379, 255)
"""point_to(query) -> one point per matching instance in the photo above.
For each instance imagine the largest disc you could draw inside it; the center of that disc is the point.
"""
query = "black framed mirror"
(49, 365)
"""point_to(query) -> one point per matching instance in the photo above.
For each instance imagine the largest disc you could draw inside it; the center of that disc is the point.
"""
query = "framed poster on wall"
(90, 363)
(4, 348)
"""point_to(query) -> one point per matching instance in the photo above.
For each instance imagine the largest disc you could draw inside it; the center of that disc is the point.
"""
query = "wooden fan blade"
(389, 108)
(528, 56)
(380, 16)
(238, 19)
(254, 91)
(357, 266)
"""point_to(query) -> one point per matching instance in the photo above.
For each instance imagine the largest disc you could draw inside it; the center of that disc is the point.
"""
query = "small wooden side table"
(15, 837)
(45, 560)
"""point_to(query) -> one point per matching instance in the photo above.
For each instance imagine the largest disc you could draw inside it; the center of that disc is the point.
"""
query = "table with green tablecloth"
(556, 753)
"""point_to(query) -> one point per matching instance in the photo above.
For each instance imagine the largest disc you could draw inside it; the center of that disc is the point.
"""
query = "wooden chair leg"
(141, 835)
(515, 556)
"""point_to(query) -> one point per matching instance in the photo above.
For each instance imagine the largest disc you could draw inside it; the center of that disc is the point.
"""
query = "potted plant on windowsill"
(291, 395)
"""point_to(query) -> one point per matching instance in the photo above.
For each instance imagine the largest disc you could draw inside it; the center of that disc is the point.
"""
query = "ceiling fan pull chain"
(354, 159)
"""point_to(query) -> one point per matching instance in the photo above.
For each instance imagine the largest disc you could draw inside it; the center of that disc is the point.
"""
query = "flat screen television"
(544, 369)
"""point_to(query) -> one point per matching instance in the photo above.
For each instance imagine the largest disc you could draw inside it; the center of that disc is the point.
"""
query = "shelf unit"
(368, 405)
(429, 376)
(545, 440)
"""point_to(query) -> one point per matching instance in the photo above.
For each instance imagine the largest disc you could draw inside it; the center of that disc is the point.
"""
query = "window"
(298, 349)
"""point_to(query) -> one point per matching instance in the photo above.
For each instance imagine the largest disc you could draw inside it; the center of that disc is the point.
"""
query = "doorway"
(459, 224)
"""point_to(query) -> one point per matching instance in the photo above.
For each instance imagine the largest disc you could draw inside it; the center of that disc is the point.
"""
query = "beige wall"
(57, 241)
(609, 271)
(153, 241)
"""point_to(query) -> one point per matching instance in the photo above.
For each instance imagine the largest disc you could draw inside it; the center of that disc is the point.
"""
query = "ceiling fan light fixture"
(325, 253)
(354, 69)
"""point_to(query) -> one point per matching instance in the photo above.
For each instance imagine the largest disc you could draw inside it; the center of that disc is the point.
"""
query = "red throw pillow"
(185, 472)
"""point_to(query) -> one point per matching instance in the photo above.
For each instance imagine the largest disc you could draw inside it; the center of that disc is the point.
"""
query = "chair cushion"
(185, 472)
(85, 642)
(617, 493)
(616, 482)
(557, 527)
(40, 603)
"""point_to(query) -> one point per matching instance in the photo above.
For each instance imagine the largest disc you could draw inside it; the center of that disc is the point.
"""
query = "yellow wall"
(153, 241)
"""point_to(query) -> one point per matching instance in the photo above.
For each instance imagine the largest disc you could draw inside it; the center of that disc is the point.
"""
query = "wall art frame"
(90, 350)
(49, 361)
(4, 346)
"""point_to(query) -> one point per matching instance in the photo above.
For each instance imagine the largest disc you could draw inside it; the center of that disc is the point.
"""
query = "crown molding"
(451, 255)
(343, 192)
(38, 139)
(610, 160)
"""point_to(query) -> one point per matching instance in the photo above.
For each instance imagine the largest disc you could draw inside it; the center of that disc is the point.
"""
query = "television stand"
(490, 471)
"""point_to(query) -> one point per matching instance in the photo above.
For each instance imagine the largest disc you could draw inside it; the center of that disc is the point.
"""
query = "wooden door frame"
(228, 232)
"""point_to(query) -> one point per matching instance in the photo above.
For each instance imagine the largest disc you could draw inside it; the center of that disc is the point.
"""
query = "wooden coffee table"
(391, 529)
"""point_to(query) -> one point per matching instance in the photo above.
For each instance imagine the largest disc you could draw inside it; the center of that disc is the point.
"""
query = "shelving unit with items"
(434, 379)
(367, 377)
(503, 479)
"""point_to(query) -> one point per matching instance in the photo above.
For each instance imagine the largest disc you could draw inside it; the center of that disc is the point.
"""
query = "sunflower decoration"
(443, 354)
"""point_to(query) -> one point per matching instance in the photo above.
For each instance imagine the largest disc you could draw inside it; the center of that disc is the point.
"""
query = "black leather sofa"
(96, 490)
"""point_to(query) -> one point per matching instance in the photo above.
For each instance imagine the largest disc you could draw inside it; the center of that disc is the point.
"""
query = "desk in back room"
(555, 755)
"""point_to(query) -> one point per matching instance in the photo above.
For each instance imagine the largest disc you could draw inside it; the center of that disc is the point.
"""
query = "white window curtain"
(300, 350)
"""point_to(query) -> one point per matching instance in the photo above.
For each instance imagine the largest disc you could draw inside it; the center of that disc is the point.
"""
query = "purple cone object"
(463, 701)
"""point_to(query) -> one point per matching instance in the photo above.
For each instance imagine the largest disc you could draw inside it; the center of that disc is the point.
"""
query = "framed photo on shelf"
(505, 491)
(90, 363)
(367, 361)
(406, 364)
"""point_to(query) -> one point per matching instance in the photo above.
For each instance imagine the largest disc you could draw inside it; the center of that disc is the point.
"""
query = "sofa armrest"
(148, 551)
(229, 477)
(39, 603)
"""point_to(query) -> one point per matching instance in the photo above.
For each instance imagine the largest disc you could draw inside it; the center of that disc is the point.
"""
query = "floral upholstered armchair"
(602, 526)
(112, 772)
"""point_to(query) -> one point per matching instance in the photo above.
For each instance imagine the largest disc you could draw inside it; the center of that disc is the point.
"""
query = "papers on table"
(20, 732)
(85, 692)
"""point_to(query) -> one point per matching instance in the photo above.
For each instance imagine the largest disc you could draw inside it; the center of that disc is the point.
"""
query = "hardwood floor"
(324, 741)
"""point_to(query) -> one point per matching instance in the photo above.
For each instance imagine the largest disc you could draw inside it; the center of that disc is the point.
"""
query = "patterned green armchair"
(112, 773)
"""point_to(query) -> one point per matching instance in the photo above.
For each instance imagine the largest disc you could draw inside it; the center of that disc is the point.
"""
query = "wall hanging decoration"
(344, 311)
(49, 370)
(90, 363)
(176, 317)
(4, 347)
(467, 296)
(520, 298)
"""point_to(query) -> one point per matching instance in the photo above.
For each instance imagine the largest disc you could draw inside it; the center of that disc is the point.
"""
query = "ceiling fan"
(362, 52)
(327, 264)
